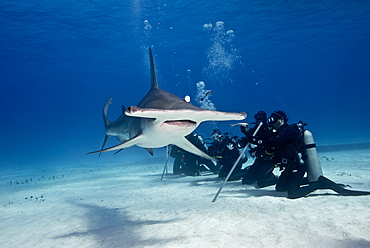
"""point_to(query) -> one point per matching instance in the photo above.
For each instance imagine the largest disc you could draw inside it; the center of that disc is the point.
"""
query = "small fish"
(207, 94)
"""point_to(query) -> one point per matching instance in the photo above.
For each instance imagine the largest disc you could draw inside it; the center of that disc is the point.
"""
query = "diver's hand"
(230, 146)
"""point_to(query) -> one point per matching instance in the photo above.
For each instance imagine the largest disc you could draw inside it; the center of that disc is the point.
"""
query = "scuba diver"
(294, 150)
(216, 147)
(261, 171)
(284, 148)
(190, 164)
(225, 149)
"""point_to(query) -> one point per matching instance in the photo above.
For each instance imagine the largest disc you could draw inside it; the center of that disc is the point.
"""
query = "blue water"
(61, 60)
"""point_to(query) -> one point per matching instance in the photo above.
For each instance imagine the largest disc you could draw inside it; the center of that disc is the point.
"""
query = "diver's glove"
(230, 146)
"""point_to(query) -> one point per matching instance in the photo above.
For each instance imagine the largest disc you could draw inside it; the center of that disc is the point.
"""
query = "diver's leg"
(251, 173)
(237, 173)
(265, 175)
(192, 167)
(283, 181)
(177, 166)
(295, 190)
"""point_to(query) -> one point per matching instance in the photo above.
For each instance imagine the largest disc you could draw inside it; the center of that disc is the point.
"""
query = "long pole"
(236, 162)
(165, 165)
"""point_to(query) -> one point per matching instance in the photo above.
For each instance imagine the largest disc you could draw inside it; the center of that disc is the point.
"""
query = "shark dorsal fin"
(153, 76)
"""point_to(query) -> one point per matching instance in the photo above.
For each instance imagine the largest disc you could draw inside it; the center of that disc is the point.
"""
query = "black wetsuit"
(285, 145)
(215, 151)
(286, 150)
(288, 154)
(260, 171)
(229, 155)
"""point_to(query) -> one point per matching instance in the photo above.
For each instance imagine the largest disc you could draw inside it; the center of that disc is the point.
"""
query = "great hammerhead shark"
(160, 119)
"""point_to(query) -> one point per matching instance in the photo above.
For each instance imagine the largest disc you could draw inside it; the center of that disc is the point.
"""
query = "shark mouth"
(181, 123)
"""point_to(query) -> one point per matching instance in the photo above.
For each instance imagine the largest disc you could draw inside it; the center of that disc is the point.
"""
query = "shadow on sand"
(113, 227)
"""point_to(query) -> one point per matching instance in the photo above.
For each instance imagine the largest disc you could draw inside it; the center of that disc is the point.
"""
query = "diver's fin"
(339, 189)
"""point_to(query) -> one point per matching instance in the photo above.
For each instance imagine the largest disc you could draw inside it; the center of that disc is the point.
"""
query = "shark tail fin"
(153, 76)
(106, 121)
(105, 110)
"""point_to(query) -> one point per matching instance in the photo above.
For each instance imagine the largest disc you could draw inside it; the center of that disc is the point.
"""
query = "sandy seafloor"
(127, 205)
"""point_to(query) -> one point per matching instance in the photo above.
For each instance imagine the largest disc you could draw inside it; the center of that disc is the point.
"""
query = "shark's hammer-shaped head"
(162, 127)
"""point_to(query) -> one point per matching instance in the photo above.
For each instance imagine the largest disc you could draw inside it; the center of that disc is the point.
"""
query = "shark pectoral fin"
(150, 150)
(184, 114)
(189, 147)
(123, 145)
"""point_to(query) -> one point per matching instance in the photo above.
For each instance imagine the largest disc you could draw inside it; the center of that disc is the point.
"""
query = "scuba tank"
(310, 158)
(314, 171)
